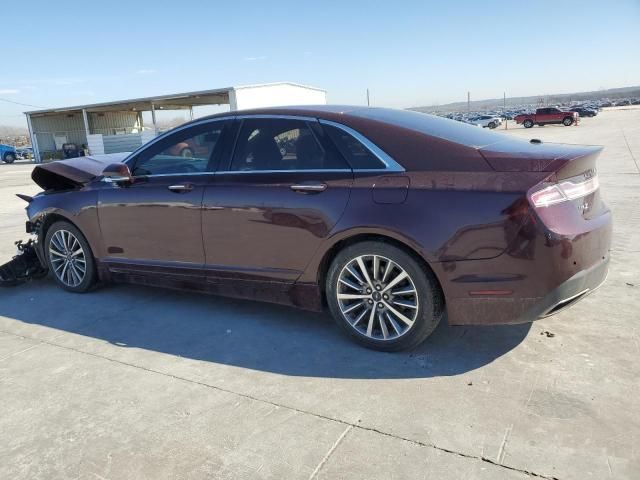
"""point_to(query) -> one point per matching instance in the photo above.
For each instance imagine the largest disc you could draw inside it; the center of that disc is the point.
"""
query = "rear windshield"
(446, 129)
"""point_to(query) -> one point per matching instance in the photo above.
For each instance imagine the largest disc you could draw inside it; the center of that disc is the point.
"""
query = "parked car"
(25, 152)
(387, 217)
(8, 153)
(584, 112)
(546, 116)
(468, 122)
(487, 121)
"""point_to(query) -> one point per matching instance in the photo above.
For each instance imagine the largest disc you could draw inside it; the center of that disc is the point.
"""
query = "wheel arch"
(354, 238)
(50, 218)
(43, 222)
(47, 221)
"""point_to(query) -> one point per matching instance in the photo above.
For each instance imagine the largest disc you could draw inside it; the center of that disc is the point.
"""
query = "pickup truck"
(545, 116)
(7, 153)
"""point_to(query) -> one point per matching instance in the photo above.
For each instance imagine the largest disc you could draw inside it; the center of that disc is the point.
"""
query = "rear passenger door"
(281, 191)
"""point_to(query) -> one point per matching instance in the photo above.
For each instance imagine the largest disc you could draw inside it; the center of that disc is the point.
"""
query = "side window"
(281, 144)
(358, 156)
(187, 151)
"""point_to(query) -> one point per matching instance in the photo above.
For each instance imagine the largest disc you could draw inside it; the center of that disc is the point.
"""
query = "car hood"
(74, 172)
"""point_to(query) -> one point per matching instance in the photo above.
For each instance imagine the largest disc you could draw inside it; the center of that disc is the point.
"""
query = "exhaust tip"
(567, 302)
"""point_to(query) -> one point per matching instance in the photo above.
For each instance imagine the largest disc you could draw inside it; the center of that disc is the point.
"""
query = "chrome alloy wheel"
(67, 257)
(377, 297)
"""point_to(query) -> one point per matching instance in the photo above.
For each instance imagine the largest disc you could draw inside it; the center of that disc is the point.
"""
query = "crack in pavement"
(349, 425)
(330, 452)
(629, 148)
(20, 351)
(503, 445)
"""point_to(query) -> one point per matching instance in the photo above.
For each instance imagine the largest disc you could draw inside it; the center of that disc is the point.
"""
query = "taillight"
(564, 191)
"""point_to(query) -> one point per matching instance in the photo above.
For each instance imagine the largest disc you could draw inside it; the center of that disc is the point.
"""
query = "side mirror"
(117, 172)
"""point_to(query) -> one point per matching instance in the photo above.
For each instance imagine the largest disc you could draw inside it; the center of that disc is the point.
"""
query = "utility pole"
(504, 108)
(468, 102)
(368, 104)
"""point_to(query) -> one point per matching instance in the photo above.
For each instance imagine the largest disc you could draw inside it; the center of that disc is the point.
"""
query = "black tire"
(89, 279)
(493, 125)
(567, 121)
(9, 158)
(429, 300)
(527, 123)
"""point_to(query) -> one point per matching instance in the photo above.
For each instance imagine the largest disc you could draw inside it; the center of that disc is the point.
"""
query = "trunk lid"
(515, 155)
(74, 172)
(568, 193)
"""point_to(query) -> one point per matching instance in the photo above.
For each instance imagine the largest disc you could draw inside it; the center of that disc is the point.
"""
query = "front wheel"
(567, 122)
(528, 123)
(493, 125)
(69, 257)
(383, 297)
(9, 158)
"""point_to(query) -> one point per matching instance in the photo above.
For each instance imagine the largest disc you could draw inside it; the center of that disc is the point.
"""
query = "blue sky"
(408, 53)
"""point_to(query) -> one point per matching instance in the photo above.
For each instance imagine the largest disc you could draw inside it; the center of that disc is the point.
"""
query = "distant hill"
(492, 103)
(16, 136)
(6, 131)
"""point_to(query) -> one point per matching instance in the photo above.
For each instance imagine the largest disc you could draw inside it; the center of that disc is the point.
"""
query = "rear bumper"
(571, 291)
(494, 311)
(539, 276)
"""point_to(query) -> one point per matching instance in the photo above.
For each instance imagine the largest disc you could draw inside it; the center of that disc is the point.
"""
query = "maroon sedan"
(390, 218)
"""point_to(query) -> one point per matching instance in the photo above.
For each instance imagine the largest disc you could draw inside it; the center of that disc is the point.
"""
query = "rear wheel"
(528, 123)
(383, 297)
(9, 158)
(567, 121)
(493, 125)
(69, 257)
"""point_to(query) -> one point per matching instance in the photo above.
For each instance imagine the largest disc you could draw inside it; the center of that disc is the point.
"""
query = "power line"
(18, 103)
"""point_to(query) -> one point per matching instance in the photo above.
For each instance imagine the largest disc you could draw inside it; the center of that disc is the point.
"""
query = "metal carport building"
(119, 126)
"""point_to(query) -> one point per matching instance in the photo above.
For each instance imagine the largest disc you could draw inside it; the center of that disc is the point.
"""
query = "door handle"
(309, 187)
(181, 187)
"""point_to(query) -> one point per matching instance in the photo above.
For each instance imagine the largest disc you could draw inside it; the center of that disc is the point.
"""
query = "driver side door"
(155, 221)
(545, 115)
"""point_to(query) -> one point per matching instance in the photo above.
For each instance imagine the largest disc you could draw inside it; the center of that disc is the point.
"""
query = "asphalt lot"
(132, 382)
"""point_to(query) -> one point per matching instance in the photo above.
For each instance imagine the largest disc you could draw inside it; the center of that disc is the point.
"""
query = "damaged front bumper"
(26, 265)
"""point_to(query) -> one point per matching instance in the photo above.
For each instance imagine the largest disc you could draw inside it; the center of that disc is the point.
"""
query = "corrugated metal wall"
(70, 125)
(121, 143)
(95, 144)
(106, 123)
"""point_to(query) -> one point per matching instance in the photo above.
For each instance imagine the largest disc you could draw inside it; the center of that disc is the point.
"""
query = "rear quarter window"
(450, 130)
(358, 156)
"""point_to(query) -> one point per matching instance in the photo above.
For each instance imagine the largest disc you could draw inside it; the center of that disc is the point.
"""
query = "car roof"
(407, 136)
(349, 115)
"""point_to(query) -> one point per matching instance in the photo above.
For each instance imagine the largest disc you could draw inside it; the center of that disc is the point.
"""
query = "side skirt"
(305, 296)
